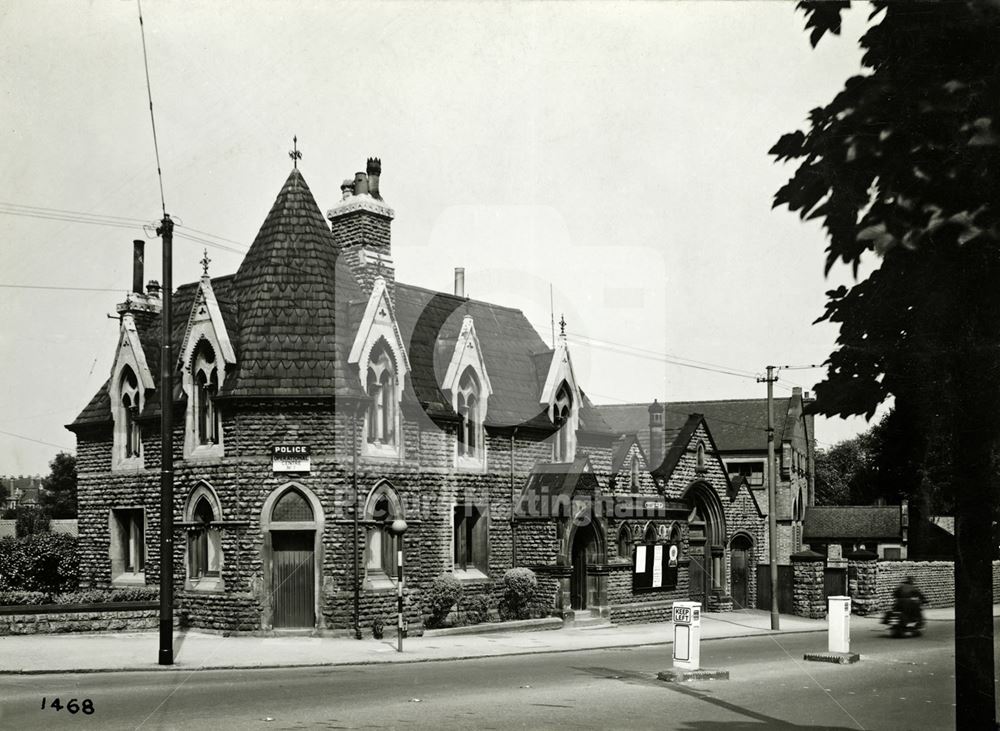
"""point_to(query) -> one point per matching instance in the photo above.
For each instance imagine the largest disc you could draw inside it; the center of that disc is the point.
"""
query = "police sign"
(290, 458)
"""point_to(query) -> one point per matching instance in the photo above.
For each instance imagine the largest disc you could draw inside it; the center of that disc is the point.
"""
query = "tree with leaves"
(58, 493)
(904, 164)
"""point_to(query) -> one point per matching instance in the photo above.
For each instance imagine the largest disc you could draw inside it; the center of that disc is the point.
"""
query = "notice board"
(654, 567)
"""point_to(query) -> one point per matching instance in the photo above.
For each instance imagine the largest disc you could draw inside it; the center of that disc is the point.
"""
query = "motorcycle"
(900, 625)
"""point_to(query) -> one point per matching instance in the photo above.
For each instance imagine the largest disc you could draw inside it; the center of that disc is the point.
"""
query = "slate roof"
(738, 425)
(292, 311)
(549, 483)
(849, 522)
(289, 292)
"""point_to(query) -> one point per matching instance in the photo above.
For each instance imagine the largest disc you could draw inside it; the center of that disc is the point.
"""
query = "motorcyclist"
(909, 601)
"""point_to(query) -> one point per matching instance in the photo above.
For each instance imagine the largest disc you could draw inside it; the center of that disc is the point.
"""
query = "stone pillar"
(808, 595)
(862, 581)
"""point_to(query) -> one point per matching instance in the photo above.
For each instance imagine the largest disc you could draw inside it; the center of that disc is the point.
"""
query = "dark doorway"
(293, 578)
(582, 588)
(834, 581)
(739, 573)
(784, 588)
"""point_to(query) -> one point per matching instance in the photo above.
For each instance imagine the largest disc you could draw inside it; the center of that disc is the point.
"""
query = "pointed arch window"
(380, 381)
(700, 458)
(381, 545)
(128, 390)
(624, 543)
(634, 472)
(562, 411)
(206, 388)
(204, 540)
(470, 405)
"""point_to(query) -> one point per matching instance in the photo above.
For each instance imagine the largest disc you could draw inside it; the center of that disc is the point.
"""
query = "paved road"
(900, 684)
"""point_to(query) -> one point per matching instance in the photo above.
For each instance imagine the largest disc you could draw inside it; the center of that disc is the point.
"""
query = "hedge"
(83, 596)
(45, 562)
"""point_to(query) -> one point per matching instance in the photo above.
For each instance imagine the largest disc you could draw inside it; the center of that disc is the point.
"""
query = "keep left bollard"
(838, 633)
(686, 618)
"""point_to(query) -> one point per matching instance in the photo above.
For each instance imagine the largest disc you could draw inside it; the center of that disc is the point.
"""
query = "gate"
(834, 581)
(293, 578)
(784, 588)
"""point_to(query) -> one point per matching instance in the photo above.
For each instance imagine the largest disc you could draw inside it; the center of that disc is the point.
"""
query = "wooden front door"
(739, 578)
(583, 550)
(293, 578)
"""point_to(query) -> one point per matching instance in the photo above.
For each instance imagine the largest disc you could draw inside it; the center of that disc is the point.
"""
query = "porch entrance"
(583, 587)
(293, 578)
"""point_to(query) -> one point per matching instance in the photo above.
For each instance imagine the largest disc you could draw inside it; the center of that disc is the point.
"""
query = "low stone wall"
(808, 595)
(936, 579)
(652, 611)
(123, 617)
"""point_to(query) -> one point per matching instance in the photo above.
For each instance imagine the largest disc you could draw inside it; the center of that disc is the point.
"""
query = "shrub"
(102, 596)
(518, 590)
(31, 521)
(477, 609)
(14, 598)
(39, 562)
(445, 591)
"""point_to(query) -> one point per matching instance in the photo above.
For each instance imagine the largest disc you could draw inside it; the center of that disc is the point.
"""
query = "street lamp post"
(398, 528)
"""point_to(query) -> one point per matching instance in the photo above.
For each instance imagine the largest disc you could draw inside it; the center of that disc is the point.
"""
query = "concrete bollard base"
(841, 658)
(676, 675)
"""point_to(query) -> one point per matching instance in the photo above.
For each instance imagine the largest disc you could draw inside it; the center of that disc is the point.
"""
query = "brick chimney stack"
(655, 434)
(360, 224)
(143, 307)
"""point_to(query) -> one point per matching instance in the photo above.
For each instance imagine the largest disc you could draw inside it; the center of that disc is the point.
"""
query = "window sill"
(379, 581)
(128, 464)
(129, 580)
(472, 574)
(380, 451)
(470, 464)
(206, 585)
(205, 453)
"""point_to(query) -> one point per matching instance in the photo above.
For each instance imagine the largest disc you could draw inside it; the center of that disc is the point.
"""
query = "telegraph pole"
(772, 500)
(166, 657)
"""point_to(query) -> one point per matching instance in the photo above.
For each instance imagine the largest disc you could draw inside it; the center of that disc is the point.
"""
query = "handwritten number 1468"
(87, 706)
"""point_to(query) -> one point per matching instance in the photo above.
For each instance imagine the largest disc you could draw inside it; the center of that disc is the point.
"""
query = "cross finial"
(562, 325)
(295, 153)
(205, 261)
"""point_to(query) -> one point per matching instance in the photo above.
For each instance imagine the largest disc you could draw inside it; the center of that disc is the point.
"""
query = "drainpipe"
(513, 501)
(354, 486)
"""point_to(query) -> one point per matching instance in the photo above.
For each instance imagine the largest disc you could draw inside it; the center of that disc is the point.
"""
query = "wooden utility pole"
(772, 499)
(166, 657)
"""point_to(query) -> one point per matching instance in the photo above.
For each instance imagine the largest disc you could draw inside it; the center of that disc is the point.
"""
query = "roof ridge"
(405, 285)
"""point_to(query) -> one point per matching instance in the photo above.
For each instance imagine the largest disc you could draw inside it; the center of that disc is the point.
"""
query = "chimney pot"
(153, 288)
(138, 246)
(347, 189)
(360, 183)
(374, 169)
(459, 281)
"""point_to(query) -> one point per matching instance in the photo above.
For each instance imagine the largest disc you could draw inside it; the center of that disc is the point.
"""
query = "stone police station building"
(316, 398)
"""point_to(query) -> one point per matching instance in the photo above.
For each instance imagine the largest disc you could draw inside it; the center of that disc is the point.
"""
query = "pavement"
(194, 650)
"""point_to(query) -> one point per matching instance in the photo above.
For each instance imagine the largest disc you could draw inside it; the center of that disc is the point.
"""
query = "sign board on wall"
(654, 567)
(290, 458)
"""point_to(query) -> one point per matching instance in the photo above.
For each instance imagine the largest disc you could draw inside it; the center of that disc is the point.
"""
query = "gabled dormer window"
(562, 412)
(470, 405)
(381, 421)
(130, 443)
(206, 382)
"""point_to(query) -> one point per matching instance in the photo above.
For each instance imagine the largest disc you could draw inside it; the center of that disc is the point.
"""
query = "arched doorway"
(292, 523)
(706, 540)
(587, 556)
(739, 570)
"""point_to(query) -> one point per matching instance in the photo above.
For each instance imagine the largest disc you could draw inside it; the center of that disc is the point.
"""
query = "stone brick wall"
(936, 579)
(862, 586)
(808, 596)
(129, 620)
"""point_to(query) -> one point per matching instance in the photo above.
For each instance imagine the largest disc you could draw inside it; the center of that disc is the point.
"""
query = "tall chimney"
(360, 183)
(374, 170)
(138, 246)
(655, 434)
(459, 281)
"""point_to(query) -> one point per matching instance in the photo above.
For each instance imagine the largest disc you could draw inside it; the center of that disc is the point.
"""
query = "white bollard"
(838, 618)
(687, 635)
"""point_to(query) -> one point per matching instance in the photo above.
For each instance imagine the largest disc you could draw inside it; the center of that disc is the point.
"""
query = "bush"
(518, 590)
(14, 598)
(445, 591)
(477, 609)
(45, 562)
(31, 521)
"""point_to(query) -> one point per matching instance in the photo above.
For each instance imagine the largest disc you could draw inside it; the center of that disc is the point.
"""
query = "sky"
(609, 158)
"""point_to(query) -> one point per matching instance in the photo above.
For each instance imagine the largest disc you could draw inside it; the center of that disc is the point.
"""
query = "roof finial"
(295, 153)
(205, 261)
(562, 325)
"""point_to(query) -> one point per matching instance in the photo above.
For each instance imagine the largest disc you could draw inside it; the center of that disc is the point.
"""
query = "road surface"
(899, 684)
